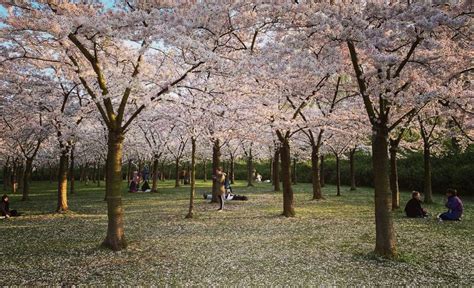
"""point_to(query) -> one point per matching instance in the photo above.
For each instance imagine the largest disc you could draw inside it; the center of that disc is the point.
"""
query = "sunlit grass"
(329, 242)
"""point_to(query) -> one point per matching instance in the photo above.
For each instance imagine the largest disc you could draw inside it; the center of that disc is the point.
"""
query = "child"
(413, 208)
(454, 204)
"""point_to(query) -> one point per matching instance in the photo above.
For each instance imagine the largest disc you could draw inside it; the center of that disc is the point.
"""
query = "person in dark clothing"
(455, 206)
(413, 208)
(145, 186)
(5, 208)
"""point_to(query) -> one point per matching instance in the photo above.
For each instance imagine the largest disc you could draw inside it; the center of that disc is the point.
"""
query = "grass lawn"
(328, 243)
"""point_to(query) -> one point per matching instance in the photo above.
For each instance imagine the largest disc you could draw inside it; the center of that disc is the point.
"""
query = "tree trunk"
(176, 180)
(294, 179)
(394, 178)
(6, 177)
(20, 173)
(385, 240)
(352, 168)
(271, 169)
(51, 173)
(62, 182)
(27, 179)
(322, 172)
(232, 170)
(427, 174)
(129, 171)
(154, 185)
(71, 171)
(115, 238)
(162, 171)
(276, 170)
(317, 192)
(14, 177)
(193, 178)
(250, 169)
(338, 175)
(216, 158)
(288, 205)
(98, 174)
(205, 170)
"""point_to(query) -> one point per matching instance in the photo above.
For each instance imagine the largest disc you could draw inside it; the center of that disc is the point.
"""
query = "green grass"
(329, 242)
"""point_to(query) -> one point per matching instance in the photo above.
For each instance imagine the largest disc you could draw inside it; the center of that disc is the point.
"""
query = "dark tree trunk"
(205, 170)
(250, 169)
(14, 178)
(288, 205)
(27, 178)
(276, 170)
(193, 178)
(51, 174)
(352, 169)
(385, 240)
(71, 171)
(129, 171)
(5, 177)
(98, 174)
(21, 174)
(115, 238)
(162, 171)
(294, 178)
(176, 180)
(316, 179)
(427, 174)
(154, 185)
(322, 172)
(271, 170)
(232, 170)
(62, 182)
(338, 175)
(394, 177)
(216, 159)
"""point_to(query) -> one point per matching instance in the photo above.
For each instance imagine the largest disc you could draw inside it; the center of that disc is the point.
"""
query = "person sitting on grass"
(5, 208)
(455, 206)
(413, 208)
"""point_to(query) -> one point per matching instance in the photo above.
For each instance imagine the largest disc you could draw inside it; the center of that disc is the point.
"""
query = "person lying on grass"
(455, 206)
(227, 197)
(5, 208)
(413, 207)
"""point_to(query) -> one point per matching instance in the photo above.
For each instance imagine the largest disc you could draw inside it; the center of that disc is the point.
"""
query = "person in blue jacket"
(455, 206)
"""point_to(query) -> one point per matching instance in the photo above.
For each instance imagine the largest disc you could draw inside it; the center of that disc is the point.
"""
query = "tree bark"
(14, 177)
(115, 238)
(276, 170)
(385, 240)
(20, 173)
(394, 177)
(205, 170)
(232, 170)
(427, 174)
(62, 182)
(154, 186)
(294, 179)
(27, 179)
(250, 169)
(216, 158)
(315, 169)
(193, 178)
(98, 174)
(322, 172)
(288, 205)
(176, 180)
(338, 175)
(71, 171)
(352, 168)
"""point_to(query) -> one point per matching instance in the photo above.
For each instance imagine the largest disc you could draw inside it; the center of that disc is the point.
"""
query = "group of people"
(135, 183)
(224, 189)
(454, 204)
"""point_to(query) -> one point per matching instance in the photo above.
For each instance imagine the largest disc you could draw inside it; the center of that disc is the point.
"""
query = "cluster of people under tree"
(224, 189)
(455, 207)
(137, 178)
